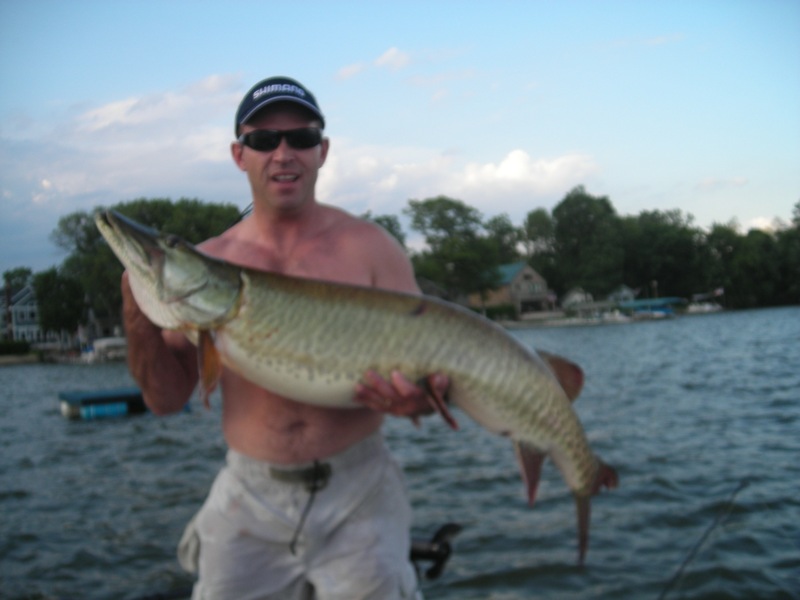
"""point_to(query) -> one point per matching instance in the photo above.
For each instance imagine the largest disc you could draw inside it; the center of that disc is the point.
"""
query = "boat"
(105, 349)
(696, 308)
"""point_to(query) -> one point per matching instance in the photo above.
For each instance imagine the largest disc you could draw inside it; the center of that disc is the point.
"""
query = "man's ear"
(325, 145)
(237, 150)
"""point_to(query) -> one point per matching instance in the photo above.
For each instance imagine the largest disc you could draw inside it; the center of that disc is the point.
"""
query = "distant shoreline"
(19, 359)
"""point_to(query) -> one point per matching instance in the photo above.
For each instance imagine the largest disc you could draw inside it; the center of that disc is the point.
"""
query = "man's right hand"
(163, 363)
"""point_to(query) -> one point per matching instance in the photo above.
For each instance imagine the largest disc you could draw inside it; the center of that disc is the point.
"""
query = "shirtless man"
(258, 535)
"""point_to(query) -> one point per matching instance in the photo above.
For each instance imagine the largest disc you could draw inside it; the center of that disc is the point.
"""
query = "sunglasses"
(266, 140)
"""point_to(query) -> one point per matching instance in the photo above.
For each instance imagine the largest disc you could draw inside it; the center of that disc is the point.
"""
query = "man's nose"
(284, 151)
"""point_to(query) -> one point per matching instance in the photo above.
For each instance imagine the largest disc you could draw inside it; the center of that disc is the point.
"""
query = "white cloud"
(382, 179)
(761, 223)
(539, 175)
(440, 96)
(169, 144)
(349, 71)
(135, 111)
(197, 102)
(214, 85)
(393, 59)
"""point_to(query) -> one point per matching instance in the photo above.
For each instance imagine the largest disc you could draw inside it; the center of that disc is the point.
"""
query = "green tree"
(60, 301)
(757, 269)
(390, 223)
(788, 251)
(441, 218)
(538, 233)
(665, 247)
(500, 232)
(724, 242)
(16, 279)
(460, 256)
(587, 243)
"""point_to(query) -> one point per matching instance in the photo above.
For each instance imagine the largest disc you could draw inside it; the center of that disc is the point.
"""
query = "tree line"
(582, 242)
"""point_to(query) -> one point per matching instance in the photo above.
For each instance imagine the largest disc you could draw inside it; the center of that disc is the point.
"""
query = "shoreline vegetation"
(20, 359)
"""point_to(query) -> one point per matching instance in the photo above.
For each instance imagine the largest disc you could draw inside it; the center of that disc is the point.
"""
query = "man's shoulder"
(373, 247)
(228, 245)
(349, 223)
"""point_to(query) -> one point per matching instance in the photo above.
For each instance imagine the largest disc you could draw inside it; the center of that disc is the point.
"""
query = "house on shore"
(20, 318)
(521, 288)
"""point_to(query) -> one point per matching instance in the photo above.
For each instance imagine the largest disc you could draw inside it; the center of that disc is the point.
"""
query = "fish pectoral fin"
(606, 477)
(530, 461)
(568, 374)
(209, 365)
(436, 385)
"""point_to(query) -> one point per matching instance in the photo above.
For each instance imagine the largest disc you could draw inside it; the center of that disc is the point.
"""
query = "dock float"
(102, 404)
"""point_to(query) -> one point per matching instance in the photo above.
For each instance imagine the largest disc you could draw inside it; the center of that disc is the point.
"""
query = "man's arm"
(163, 363)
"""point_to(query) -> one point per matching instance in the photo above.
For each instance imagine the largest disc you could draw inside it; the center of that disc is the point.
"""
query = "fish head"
(175, 285)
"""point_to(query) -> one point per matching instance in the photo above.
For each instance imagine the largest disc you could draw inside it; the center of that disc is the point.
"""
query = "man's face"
(282, 179)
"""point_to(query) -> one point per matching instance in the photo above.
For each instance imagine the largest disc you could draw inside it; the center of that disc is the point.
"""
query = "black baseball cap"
(275, 89)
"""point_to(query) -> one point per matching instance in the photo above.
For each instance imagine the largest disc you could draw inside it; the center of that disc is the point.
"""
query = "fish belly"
(301, 381)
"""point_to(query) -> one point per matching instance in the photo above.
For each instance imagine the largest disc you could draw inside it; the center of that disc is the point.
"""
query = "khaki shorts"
(354, 543)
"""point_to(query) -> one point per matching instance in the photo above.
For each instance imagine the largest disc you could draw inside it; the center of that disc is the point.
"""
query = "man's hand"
(403, 398)
(164, 364)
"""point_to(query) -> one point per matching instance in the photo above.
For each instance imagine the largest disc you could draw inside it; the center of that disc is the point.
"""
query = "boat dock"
(101, 404)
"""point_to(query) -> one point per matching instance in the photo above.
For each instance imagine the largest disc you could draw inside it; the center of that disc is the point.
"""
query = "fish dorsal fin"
(568, 374)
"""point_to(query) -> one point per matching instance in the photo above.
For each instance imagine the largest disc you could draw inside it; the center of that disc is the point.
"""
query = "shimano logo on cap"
(279, 88)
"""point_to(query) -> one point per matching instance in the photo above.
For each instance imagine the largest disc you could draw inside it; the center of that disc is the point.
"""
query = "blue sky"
(690, 105)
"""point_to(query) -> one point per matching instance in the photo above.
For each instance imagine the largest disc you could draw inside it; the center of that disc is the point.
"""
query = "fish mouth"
(148, 252)
(140, 241)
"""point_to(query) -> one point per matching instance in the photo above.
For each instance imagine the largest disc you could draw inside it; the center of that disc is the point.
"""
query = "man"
(309, 504)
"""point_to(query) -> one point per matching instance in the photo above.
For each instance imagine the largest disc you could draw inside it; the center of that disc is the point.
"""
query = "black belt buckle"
(319, 476)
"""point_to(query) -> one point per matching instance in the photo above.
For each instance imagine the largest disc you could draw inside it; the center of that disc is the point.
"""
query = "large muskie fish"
(313, 341)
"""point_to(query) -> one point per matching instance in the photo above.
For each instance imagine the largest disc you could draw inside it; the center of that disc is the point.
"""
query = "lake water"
(688, 410)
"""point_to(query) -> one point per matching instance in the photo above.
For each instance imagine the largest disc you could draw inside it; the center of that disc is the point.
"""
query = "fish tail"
(583, 506)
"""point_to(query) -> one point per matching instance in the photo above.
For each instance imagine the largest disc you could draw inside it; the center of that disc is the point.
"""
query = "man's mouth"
(285, 178)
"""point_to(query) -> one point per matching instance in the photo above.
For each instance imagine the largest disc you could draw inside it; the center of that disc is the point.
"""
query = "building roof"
(510, 271)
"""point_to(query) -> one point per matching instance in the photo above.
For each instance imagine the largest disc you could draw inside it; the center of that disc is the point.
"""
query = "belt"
(314, 478)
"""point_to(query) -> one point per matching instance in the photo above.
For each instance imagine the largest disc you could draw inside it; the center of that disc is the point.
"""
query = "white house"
(20, 318)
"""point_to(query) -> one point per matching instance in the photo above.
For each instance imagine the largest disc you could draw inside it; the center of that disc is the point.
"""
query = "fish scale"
(313, 341)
